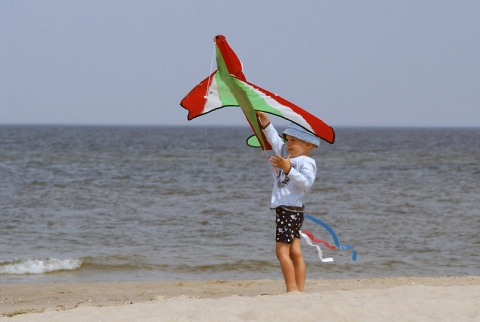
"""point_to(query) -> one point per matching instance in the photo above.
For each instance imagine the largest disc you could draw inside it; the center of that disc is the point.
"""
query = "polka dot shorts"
(288, 225)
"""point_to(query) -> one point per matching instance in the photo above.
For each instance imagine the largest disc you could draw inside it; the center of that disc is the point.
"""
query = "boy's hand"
(263, 119)
(278, 162)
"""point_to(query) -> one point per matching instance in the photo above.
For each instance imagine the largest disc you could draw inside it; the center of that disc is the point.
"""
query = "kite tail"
(306, 235)
(334, 236)
(316, 240)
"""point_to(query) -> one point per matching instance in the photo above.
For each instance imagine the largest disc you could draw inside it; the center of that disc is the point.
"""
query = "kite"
(228, 86)
(309, 238)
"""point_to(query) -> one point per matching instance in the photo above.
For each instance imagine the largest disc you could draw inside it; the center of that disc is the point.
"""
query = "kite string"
(210, 73)
(205, 126)
(273, 171)
(212, 190)
(208, 161)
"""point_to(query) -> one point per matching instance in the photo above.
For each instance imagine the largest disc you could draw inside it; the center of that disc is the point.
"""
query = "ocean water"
(83, 204)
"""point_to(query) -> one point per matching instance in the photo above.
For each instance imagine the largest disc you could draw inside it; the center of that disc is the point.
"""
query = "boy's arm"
(305, 176)
(264, 120)
(271, 134)
(302, 176)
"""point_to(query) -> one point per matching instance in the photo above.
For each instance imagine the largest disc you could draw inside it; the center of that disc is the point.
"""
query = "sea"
(165, 203)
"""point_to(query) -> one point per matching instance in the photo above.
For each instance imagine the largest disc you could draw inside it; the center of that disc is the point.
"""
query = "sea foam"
(39, 266)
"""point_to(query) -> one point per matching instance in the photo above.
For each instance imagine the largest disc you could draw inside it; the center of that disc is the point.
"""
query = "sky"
(349, 62)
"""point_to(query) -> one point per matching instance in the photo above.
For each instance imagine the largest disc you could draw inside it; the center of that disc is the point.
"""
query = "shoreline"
(19, 301)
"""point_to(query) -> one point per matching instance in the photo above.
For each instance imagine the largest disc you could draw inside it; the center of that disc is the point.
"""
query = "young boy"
(295, 176)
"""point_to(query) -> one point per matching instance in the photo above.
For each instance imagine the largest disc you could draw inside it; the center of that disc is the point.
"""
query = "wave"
(39, 266)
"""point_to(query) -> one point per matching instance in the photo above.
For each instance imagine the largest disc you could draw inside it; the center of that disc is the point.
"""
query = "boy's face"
(297, 147)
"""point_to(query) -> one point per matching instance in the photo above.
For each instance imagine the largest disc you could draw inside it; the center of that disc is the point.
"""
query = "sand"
(380, 299)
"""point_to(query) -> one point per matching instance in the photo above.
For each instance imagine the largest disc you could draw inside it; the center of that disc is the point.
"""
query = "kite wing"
(227, 86)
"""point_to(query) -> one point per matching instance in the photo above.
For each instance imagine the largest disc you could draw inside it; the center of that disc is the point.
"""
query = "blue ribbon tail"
(334, 236)
(354, 254)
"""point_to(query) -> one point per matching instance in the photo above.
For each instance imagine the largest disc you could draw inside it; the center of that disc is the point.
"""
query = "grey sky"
(354, 63)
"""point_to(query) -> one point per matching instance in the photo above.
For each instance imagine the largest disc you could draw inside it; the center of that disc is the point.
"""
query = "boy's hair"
(302, 134)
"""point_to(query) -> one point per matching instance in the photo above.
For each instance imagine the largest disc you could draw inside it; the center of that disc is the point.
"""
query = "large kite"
(227, 86)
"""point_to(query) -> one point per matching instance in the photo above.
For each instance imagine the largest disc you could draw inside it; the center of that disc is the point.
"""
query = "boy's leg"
(298, 264)
(283, 254)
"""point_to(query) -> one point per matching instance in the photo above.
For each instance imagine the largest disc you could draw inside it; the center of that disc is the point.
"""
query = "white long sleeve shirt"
(289, 190)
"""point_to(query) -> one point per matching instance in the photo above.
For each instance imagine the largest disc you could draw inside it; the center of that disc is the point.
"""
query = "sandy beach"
(382, 299)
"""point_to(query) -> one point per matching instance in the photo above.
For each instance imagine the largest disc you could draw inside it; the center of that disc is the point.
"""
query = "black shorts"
(288, 225)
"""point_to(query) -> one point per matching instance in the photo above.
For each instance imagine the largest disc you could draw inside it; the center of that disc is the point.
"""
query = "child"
(295, 176)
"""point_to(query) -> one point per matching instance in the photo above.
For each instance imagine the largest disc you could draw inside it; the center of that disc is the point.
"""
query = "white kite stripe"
(283, 110)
